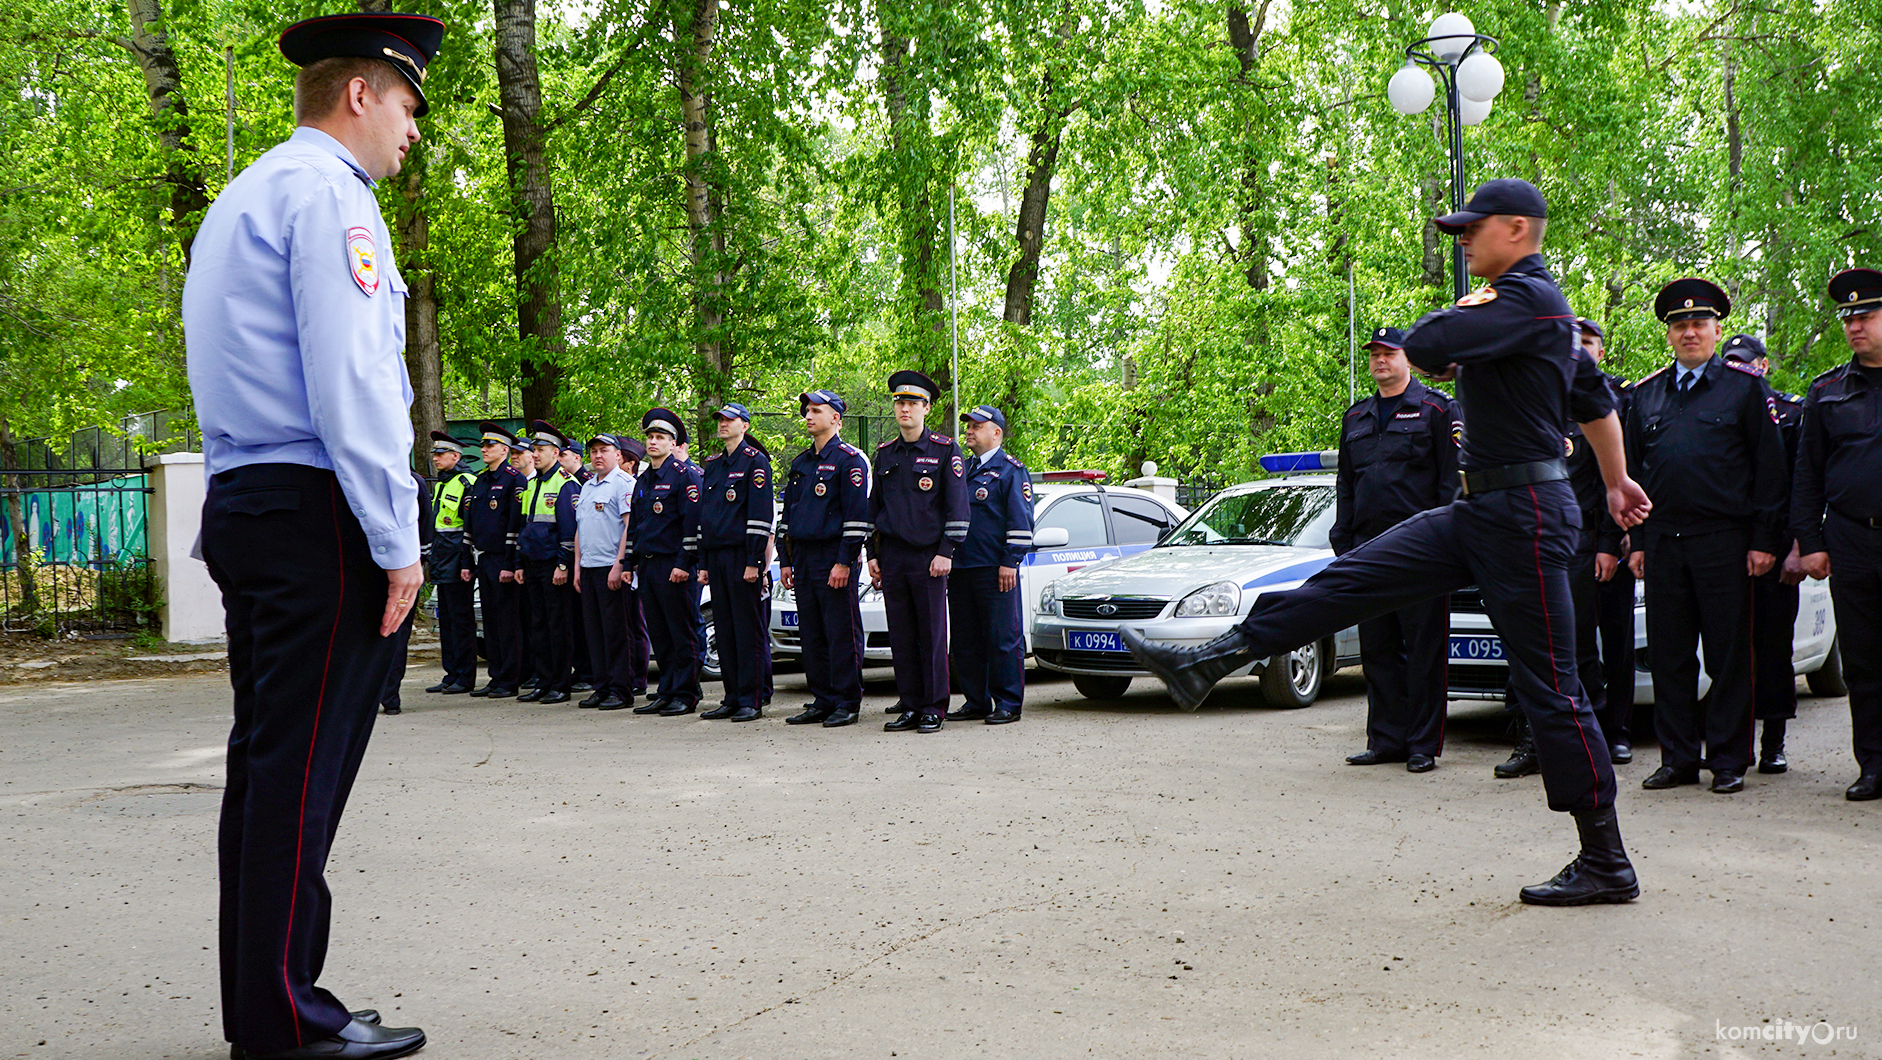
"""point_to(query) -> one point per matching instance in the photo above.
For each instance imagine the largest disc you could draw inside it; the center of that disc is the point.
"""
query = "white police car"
(1250, 539)
(1077, 521)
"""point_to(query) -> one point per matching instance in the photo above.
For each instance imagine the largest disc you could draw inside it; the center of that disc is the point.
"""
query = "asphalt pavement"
(1117, 880)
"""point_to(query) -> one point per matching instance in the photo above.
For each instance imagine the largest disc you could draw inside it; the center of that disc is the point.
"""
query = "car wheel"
(1293, 680)
(709, 651)
(1092, 686)
(1827, 680)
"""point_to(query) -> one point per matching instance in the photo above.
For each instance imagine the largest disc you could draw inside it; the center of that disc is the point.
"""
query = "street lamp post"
(1472, 77)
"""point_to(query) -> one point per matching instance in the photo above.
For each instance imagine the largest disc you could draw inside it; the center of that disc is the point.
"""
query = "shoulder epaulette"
(1356, 406)
(1013, 459)
(1830, 376)
(1791, 398)
(1738, 366)
(750, 450)
(852, 450)
(884, 444)
(1662, 370)
(940, 438)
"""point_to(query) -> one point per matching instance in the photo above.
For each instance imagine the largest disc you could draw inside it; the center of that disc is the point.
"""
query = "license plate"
(1092, 640)
(1476, 649)
(789, 618)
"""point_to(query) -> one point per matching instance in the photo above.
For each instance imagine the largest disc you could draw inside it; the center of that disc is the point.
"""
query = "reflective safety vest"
(538, 503)
(447, 501)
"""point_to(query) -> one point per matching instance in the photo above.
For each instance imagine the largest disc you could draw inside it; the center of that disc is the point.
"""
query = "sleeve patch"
(692, 491)
(959, 468)
(362, 259)
(1480, 296)
(856, 476)
(758, 478)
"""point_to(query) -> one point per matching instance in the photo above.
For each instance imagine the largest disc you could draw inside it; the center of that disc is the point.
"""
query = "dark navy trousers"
(1773, 632)
(303, 601)
(503, 639)
(989, 647)
(1614, 620)
(917, 610)
(457, 631)
(1515, 545)
(1584, 594)
(1405, 654)
(550, 648)
(604, 622)
(829, 626)
(1696, 587)
(1856, 593)
(672, 610)
(738, 626)
(639, 647)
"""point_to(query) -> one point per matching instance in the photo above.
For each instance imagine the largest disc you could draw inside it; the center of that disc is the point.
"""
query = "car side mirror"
(1164, 534)
(1051, 537)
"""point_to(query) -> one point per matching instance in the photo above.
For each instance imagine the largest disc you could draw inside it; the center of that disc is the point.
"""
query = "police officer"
(584, 672)
(601, 573)
(639, 648)
(1836, 508)
(294, 320)
(1398, 457)
(1706, 446)
(663, 538)
(734, 532)
(1774, 594)
(1521, 376)
(545, 551)
(820, 541)
(450, 566)
(490, 513)
(989, 645)
(919, 508)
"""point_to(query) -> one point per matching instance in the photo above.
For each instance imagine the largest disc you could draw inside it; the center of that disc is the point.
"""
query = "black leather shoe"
(481, 692)
(930, 723)
(905, 722)
(677, 707)
(1521, 762)
(555, 697)
(453, 690)
(839, 718)
(612, 701)
(591, 700)
(812, 715)
(1669, 777)
(899, 708)
(1420, 764)
(967, 713)
(356, 1041)
(720, 712)
(1190, 673)
(1369, 757)
(499, 693)
(439, 687)
(1620, 753)
(1868, 786)
(531, 696)
(531, 684)
(392, 710)
(582, 686)
(747, 714)
(364, 1015)
(998, 717)
(1725, 782)
(653, 706)
(1773, 762)
(1600, 873)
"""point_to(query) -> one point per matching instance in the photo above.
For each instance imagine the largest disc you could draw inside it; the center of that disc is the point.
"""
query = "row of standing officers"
(613, 560)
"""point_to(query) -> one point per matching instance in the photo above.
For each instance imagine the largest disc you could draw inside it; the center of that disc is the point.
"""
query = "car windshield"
(1281, 515)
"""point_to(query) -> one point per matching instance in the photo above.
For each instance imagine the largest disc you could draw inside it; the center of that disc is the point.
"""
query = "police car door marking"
(1292, 572)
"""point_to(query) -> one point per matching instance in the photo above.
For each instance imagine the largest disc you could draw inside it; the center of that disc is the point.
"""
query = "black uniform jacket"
(1839, 453)
(1711, 459)
(1394, 468)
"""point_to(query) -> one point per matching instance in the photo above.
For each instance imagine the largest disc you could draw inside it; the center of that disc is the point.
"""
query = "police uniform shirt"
(665, 518)
(1711, 457)
(490, 513)
(1521, 372)
(548, 514)
(826, 499)
(735, 503)
(599, 509)
(999, 523)
(920, 494)
(450, 548)
(1398, 457)
(1839, 452)
(294, 319)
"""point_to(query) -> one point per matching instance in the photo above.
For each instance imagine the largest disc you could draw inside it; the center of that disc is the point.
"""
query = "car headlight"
(1222, 598)
(1049, 599)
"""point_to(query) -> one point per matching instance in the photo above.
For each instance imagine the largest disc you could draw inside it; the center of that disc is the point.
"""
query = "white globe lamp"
(1410, 90)
(1479, 77)
(1472, 112)
(1451, 33)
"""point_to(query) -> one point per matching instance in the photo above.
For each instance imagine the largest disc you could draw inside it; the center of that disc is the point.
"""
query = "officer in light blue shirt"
(293, 317)
(600, 573)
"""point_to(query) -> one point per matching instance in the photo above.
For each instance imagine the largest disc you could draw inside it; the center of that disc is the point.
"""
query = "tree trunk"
(704, 201)
(1245, 38)
(16, 520)
(149, 43)
(922, 226)
(532, 200)
(1436, 263)
(1023, 277)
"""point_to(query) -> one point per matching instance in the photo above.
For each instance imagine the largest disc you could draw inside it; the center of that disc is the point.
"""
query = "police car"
(1077, 521)
(1250, 539)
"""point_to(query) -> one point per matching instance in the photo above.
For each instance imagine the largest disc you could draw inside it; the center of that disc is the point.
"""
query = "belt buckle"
(1463, 481)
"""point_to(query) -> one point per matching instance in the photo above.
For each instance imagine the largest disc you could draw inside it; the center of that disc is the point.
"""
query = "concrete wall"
(192, 606)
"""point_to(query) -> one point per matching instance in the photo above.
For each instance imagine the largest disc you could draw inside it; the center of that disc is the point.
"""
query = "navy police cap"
(1691, 298)
(407, 43)
(444, 443)
(542, 432)
(605, 438)
(1390, 338)
(1856, 292)
(732, 410)
(495, 434)
(666, 421)
(1503, 196)
(1591, 327)
(985, 414)
(821, 397)
(909, 383)
(631, 447)
(1742, 348)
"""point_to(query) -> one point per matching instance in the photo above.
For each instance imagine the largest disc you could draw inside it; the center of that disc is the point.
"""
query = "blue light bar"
(1324, 460)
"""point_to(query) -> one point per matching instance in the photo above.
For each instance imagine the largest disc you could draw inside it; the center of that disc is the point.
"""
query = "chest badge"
(600, 505)
(821, 489)
(1568, 445)
(730, 494)
(493, 504)
(362, 258)
(657, 508)
(980, 494)
(926, 483)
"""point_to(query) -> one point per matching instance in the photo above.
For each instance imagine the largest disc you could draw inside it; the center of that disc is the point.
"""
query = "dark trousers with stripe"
(738, 626)
(549, 607)
(1614, 621)
(1516, 546)
(1405, 654)
(604, 621)
(1856, 594)
(673, 624)
(917, 610)
(639, 647)
(1698, 592)
(829, 626)
(1584, 595)
(503, 636)
(988, 646)
(457, 631)
(1773, 634)
(303, 602)
(582, 666)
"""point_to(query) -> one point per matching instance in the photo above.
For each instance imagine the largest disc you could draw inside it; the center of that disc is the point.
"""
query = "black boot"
(1522, 759)
(1600, 873)
(1771, 759)
(1190, 672)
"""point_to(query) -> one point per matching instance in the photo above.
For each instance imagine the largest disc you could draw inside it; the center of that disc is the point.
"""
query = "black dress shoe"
(530, 696)
(720, 712)
(582, 686)
(812, 715)
(999, 717)
(1670, 777)
(481, 692)
(439, 687)
(840, 718)
(1725, 782)
(1620, 753)
(531, 684)
(592, 699)
(1521, 762)
(747, 714)
(453, 689)
(611, 701)
(653, 706)
(356, 1041)
(677, 707)
(967, 713)
(364, 1015)
(908, 720)
(1773, 762)
(1369, 757)
(1420, 764)
(499, 693)
(1190, 673)
(1866, 787)
(929, 723)
(555, 697)
(392, 709)
(1600, 873)
(899, 708)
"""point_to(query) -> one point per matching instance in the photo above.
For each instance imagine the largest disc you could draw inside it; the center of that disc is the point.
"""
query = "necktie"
(1685, 382)
(973, 464)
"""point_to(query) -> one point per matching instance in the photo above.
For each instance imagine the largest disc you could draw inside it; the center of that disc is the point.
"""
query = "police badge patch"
(692, 492)
(1480, 296)
(1770, 405)
(362, 259)
(856, 476)
(959, 468)
(599, 505)
(730, 495)
(656, 508)
(980, 494)
(820, 490)
(758, 478)
(926, 483)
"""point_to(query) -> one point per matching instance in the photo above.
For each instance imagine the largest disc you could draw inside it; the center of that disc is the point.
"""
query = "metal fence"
(74, 551)
(1192, 494)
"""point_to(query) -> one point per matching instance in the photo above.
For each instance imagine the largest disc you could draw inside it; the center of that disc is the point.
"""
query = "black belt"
(1509, 476)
